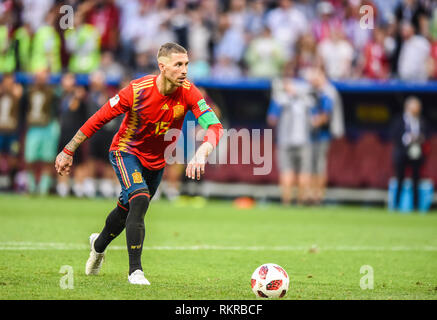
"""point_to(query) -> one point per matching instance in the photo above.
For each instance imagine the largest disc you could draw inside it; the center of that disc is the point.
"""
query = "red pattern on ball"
(263, 272)
(282, 271)
(274, 285)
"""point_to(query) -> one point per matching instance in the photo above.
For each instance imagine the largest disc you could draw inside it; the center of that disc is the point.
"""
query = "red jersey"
(375, 61)
(149, 116)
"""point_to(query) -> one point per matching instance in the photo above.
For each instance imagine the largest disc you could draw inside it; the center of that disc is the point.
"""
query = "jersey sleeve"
(201, 110)
(205, 116)
(117, 105)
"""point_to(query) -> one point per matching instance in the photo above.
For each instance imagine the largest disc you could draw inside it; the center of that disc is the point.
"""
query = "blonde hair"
(168, 48)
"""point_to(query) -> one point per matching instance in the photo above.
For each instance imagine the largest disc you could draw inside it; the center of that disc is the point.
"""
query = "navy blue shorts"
(133, 176)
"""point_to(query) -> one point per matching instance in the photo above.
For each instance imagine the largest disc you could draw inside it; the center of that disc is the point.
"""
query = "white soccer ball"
(270, 281)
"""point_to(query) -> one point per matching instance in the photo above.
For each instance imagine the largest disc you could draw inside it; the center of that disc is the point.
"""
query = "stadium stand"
(218, 39)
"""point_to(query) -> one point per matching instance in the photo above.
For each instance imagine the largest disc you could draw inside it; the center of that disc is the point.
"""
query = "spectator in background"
(386, 9)
(237, 13)
(13, 10)
(321, 116)
(412, 12)
(254, 24)
(357, 35)
(414, 58)
(151, 44)
(7, 50)
(83, 45)
(144, 64)
(231, 42)
(41, 144)
(226, 69)
(34, 12)
(287, 24)
(10, 110)
(320, 83)
(408, 133)
(129, 11)
(23, 40)
(110, 67)
(104, 15)
(198, 68)
(373, 62)
(289, 112)
(97, 164)
(265, 56)
(178, 21)
(336, 55)
(153, 21)
(72, 115)
(308, 8)
(325, 22)
(199, 37)
(306, 54)
(14, 38)
(46, 47)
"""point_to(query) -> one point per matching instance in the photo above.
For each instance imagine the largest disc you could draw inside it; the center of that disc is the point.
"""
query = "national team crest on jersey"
(137, 177)
(178, 111)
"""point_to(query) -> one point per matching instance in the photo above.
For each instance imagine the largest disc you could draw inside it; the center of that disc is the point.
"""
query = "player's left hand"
(196, 167)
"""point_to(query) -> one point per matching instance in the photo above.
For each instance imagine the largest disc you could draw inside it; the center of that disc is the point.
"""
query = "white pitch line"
(22, 246)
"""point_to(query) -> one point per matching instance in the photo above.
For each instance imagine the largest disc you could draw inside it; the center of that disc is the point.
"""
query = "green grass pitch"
(210, 252)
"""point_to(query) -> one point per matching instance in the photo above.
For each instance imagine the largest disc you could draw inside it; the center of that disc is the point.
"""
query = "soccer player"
(153, 104)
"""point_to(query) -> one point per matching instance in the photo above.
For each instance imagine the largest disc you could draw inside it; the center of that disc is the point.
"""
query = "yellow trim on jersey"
(186, 84)
(147, 81)
(132, 123)
(144, 84)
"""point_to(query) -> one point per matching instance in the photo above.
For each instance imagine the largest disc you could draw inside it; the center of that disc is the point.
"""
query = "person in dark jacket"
(408, 133)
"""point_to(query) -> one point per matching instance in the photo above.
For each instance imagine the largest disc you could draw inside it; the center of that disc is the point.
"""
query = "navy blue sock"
(114, 225)
(135, 228)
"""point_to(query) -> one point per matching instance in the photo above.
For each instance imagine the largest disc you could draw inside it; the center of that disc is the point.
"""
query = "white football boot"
(95, 260)
(137, 277)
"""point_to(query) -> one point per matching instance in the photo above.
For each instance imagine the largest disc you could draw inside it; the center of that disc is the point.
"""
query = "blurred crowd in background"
(115, 41)
(226, 38)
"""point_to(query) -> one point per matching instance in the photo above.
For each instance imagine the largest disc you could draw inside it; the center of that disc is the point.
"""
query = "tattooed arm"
(117, 105)
(64, 160)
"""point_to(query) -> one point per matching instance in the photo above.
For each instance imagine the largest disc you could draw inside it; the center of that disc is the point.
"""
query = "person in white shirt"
(414, 58)
(287, 24)
(336, 55)
(289, 113)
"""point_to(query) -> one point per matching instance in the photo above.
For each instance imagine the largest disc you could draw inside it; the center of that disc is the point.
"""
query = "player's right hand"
(63, 163)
